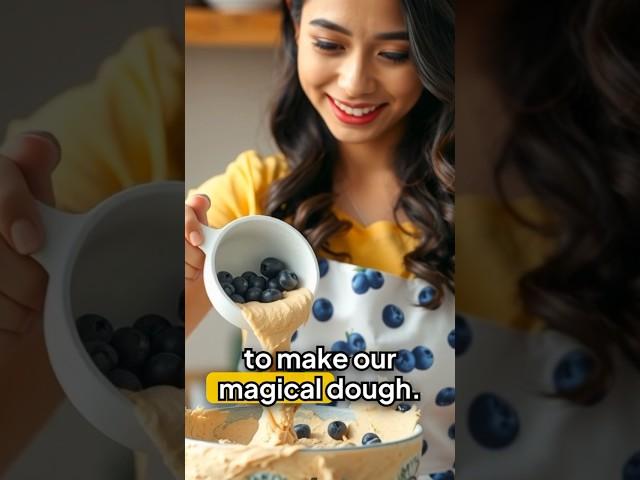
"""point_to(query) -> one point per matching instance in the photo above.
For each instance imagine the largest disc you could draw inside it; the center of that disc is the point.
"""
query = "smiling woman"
(363, 119)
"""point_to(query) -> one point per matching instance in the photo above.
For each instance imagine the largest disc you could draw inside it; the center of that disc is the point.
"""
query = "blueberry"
(370, 438)
(270, 295)
(271, 267)
(357, 342)
(323, 266)
(125, 379)
(392, 316)
(452, 432)
(425, 446)
(342, 346)
(359, 283)
(426, 296)
(181, 307)
(170, 340)
(403, 407)
(164, 369)
(228, 289)
(253, 294)
(448, 475)
(240, 285)
(103, 355)
(405, 361)
(258, 282)
(322, 309)
(288, 280)
(337, 430)
(493, 422)
(151, 324)
(424, 357)
(294, 336)
(463, 335)
(446, 396)
(273, 284)
(237, 298)
(302, 430)
(573, 371)
(224, 277)
(248, 276)
(374, 277)
(451, 339)
(132, 345)
(93, 328)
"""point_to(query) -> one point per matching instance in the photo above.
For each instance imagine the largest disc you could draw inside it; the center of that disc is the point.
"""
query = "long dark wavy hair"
(570, 74)
(424, 158)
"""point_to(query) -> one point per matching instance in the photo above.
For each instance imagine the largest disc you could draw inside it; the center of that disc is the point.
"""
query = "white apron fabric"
(510, 429)
(363, 313)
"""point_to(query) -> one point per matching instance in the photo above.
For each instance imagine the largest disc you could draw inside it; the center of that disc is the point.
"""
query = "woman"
(364, 122)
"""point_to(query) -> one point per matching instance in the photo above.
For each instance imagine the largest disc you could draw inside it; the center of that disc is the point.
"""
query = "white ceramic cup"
(241, 246)
(115, 261)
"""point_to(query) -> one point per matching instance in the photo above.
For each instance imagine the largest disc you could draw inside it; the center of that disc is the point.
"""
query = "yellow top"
(241, 190)
(124, 128)
(493, 250)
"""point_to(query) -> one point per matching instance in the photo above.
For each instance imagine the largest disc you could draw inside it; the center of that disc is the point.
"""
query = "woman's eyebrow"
(324, 23)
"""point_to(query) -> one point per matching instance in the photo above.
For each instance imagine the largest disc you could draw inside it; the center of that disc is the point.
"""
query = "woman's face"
(355, 68)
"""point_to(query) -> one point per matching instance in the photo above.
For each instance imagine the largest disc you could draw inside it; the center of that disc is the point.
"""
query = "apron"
(511, 429)
(383, 310)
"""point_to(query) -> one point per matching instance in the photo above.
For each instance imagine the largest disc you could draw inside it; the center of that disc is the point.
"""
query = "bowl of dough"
(362, 441)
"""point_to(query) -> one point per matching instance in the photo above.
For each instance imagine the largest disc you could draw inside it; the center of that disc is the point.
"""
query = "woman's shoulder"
(252, 165)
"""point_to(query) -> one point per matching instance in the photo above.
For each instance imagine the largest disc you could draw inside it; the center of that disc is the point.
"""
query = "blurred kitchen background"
(229, 67)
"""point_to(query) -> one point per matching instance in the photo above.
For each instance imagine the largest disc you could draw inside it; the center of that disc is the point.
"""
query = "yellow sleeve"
(241, 190)
(122, 129)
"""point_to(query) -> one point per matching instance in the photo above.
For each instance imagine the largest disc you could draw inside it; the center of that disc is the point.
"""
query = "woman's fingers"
(193, 261)
(26, 163)
(21, 278)
(195, 215)
(14, 318)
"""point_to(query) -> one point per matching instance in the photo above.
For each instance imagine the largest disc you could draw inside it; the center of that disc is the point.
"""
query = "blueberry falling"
(264, 287)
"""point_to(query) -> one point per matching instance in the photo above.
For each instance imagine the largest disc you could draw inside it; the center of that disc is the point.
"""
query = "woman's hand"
(26, 165)
(197, 303)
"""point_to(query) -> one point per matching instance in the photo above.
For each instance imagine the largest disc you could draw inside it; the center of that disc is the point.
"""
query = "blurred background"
(230, 48)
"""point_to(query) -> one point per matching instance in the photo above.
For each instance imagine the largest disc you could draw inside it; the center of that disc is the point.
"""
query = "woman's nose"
(356, 78)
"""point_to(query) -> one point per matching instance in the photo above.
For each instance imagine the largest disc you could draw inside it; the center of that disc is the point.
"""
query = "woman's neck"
(365, 182)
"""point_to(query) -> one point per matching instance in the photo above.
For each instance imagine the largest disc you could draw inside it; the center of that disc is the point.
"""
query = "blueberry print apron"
(363, 309)
(510, 428)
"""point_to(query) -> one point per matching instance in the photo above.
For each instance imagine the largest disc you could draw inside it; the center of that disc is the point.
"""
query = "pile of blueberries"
(149, 353)
(275, 278)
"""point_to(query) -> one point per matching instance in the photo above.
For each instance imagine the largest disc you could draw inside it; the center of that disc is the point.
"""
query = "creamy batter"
(273, 325)
(248, 445)
(234, 455)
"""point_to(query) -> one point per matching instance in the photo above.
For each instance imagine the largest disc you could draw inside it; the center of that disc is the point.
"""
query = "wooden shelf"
(206, 27)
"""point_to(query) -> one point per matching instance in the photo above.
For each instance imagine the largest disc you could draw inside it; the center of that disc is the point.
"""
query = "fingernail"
(25, 237)
(195, 238)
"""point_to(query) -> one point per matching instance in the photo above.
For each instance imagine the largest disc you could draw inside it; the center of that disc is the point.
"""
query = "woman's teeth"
(356, 112)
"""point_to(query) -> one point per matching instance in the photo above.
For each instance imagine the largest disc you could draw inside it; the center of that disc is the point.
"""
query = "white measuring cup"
(241, 245)
(122, 260)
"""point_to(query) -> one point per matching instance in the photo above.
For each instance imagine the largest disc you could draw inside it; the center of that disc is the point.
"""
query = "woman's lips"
(353, 119)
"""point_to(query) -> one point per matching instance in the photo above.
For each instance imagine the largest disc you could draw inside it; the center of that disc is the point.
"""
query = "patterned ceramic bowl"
(395, 460)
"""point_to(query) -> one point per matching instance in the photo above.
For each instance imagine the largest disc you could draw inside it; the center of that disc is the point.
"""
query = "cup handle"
(59, 228)
(209, 238)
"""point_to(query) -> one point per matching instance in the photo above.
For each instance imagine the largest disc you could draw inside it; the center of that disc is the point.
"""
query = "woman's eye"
(396, 57)
(325, 45)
